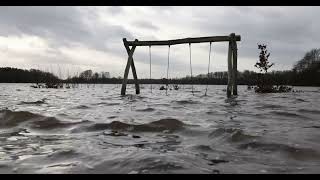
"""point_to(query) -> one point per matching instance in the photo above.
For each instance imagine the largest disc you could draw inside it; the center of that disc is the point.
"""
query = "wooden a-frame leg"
(126, 72)
(136, 82)
(134, 73)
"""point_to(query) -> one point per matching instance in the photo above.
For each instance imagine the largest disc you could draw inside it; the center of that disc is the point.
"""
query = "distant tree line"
(221, 78)
(90, 77)
(306, 72)
(14, 75)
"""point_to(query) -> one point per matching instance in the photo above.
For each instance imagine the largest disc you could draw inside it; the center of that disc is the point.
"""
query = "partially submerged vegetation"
(303, 73)
(264, 84)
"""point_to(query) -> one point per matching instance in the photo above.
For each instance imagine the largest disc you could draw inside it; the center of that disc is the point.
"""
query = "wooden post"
(229, 87)
(126, 72)
(234, 65)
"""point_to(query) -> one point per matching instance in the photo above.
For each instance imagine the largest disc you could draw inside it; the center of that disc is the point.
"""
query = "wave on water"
(301, 100)
(12, 132)
(106, 104)
(205, 148)
(42, 101)
(112, 117)
(64, 154)
(132, 97)
(82, 107)
(309, 111)
(298, 153)
(288, 114)
(145, 110)
(271, 106)
(230, 102)
(316, 127)
(156, 126)
(10, 119)
(182, 102)
(231, 135)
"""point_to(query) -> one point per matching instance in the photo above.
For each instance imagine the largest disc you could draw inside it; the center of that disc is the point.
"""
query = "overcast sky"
(74, 39)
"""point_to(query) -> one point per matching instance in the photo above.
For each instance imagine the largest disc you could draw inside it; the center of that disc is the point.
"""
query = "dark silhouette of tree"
(310, 60)
(307, 69)
(87, 74)
(265, 82)
(14, 75)
(263, 63)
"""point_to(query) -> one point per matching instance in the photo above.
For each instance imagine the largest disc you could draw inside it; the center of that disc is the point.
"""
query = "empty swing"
(167, 79)
(168, 70)
(150, 68)
(191, 68)
(191, 75)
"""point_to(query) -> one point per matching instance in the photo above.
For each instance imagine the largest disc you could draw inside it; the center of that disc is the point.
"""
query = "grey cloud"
(288, 31)
(42, 21)
(51, 56)
(60, 25)
(115, 9)
(146, 25)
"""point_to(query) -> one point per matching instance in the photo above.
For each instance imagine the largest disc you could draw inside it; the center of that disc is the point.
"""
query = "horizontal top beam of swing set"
(181, 41)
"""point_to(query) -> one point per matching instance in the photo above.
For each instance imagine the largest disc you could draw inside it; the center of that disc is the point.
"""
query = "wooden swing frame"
(232, 57)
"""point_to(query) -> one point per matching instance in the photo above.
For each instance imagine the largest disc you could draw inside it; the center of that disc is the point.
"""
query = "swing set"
(232, 59)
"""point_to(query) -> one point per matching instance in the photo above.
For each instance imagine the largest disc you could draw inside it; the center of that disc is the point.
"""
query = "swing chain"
(191, 69)
(150, 68)
(208, 68)
(191, 76)
(168, 70)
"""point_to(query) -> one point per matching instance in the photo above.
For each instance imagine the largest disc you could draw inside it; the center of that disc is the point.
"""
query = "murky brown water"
(95, 130)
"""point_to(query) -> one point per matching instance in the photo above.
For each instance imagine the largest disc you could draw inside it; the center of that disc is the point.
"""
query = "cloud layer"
(77, 38)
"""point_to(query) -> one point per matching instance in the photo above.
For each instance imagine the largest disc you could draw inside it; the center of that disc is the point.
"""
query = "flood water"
(95, 130)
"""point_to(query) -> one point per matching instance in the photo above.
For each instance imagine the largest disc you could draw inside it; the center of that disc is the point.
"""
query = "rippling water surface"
(95, 130)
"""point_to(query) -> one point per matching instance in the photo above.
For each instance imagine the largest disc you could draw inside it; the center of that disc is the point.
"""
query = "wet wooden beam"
(182, 41)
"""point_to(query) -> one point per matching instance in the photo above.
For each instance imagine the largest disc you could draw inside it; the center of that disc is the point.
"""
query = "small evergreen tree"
(263, 63)
(265, 84)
